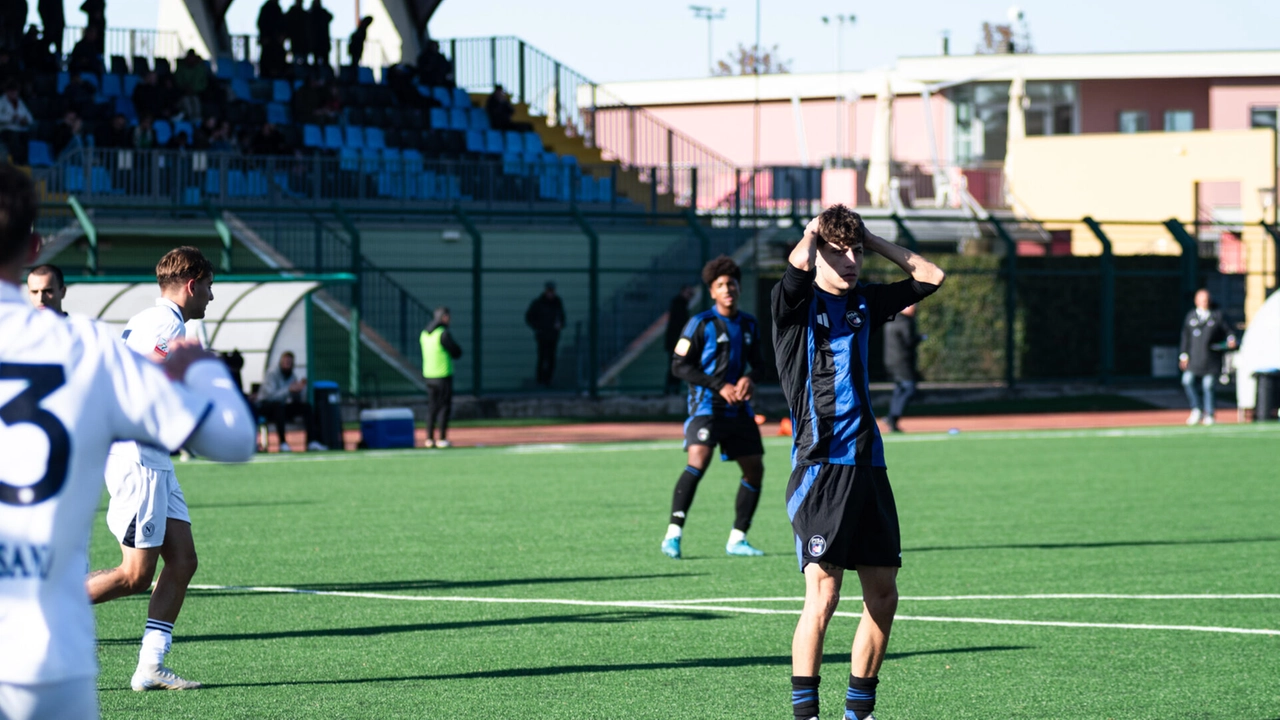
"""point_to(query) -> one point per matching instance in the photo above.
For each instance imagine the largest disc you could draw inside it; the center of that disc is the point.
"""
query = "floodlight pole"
(705, 12)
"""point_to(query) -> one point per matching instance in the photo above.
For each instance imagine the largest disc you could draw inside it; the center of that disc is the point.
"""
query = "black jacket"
(544, 314)
(447, 342)
(677, 317)
(900, 342)
(1203, 342)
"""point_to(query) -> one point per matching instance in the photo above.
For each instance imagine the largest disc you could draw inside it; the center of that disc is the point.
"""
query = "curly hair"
(841, 227)
(723, 265)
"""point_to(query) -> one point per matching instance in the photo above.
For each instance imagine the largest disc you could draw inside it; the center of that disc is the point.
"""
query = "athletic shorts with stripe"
(143, 499)
(843, 515)
(737, 437)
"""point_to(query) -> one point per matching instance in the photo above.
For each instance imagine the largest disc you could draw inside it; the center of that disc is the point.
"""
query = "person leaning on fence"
(1205, 336)
(356, 44)
(280, 399)
(439, 350)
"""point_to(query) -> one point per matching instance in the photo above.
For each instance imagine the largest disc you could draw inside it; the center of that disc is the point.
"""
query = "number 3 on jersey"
(41, 381)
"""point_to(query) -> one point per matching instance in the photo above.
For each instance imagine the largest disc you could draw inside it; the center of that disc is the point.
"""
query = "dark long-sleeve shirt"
(900, 343)
(714, 351)
(1202, 342)
(545, 315)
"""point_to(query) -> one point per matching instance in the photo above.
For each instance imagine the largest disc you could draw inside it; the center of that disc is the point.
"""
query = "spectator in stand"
(223, 139)
(270, 21)
(170, 96)
(677, 317)
(144, 134)
(331, 109)
(36, 57)
(307, 101)
(192, 79)
(204, 131)
(298, 26)
(16, 124)
(116, 135)
(499, 108)
(402, 79)
(280, 399)
(269, 141)
(85, 56)
(96, 11)
(318, 20)
(356, 44)
(433, 67)
(546, 317)
(54, 22)
(68, 134)
(146, 96)
(79, 94)
(178, 141)
(274, 63)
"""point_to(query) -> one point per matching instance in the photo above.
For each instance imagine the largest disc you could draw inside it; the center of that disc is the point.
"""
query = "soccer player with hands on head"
(68, 389)
(838, 498)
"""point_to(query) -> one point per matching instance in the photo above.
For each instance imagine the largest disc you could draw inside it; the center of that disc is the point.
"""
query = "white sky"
(613, 40)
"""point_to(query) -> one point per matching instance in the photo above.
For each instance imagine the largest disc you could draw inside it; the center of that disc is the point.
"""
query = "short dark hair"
(48, 269)
(182, 264)
(18, 212)
(723, 265)
(288, 354)
(841, 227)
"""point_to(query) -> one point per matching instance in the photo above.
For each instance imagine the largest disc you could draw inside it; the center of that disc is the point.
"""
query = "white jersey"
(149, 333)
(68, 388)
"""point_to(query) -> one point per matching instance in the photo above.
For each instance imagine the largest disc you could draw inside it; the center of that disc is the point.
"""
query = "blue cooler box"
(387, 428)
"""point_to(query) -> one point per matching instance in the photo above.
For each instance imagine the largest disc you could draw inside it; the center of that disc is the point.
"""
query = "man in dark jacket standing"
(298, 26)
(546, 316)
(1205, 336)
(320, 39)
(677, 316)
(900, 341)
(439, 350)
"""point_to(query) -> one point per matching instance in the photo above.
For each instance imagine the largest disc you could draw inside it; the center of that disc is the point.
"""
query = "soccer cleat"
(429, 443)
(442, 443)
(743, 548)
(1207, 421)
(316, 446)
(284, 447)
(671, 548)
(1194, 418)
(159, 677)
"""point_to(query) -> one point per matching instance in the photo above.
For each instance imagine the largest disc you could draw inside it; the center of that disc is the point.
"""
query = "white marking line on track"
(662, 605)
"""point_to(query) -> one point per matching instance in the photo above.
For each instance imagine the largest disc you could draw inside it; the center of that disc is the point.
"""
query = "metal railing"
(131, 42)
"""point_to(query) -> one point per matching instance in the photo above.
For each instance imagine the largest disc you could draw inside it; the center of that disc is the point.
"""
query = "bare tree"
(748, 60)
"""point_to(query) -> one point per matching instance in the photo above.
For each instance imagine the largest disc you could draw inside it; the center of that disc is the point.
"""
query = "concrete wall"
(1102, 100)
(1231, 100)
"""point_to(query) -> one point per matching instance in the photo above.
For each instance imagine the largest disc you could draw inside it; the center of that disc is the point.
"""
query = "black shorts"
(844, 515)
(737, 437)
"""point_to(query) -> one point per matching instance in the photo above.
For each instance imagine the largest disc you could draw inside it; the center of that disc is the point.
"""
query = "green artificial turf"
(1173, 511)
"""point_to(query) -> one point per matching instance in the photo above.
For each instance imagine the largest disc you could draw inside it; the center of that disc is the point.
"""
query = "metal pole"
(521, 97)
(477, 293)
(693, 188)
(1010, 300)
(1190, 260)
(558, 101)
(671, 170)
(357, 291)
(737, 198)
(493, 62)
(90, 234)
(1274, 232)
(1107, 314)
(593, 298)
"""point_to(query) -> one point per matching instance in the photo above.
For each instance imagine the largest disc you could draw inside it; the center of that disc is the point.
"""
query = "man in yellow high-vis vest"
(439, 350)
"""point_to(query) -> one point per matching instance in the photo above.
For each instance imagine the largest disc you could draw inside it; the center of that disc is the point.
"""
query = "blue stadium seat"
(532, 143)
(101, 180)
(439, 119)
(458, 119)
(493, 142)
(212, 183)
(237, 183)
(92, 79)
(130, 84)
(164, 131)
(226, 68)
(281, 92)
(374, 138)
(111, 86)
(39, 154)
(349, 159)
(364, 75)
(514, 142)
(277, 113)
(475, 141)
(424, 90)
(311, 136)
(442, 96)
(370, 161)
(240, 89)
(64, 79)
(255, 184)
(74, 180)
(183, 126)
(190, 195)
(244, 70)
(354, 137)
(477, 119)
(461, 98)
(512, 164)
(604, 189)
(586, 189)
(412, 160)
(124, 106)
(333, 137)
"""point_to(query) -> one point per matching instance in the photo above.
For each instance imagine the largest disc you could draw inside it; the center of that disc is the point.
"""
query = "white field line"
(1037, 596)
(659, 605)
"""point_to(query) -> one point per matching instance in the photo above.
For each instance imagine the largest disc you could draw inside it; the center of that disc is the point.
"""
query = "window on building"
(1134, 121)
(1051, 108)
(982, 116)
(1179, 120)
(1262, 117)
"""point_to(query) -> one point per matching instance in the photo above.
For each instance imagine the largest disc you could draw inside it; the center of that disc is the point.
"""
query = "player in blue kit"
(838, 498)
(712, 356)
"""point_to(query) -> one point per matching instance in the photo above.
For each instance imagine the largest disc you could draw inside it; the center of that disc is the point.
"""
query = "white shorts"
(68, 700)
(142, 501)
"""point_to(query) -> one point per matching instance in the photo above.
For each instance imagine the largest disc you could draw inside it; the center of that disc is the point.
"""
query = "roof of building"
(911, 74)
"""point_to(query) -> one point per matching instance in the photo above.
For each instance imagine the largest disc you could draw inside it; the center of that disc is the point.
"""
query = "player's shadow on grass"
(1087, 545)
(610, 617)
(428, 584)
(730, 662)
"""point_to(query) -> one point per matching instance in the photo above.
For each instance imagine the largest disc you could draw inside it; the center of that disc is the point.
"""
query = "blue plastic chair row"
(240, 183)
(229, 69)
(64, 79)
(334, 137)
(39, 154)
(495, 142)
(99, 180)
(446, 97)
(458, 119)
(117, 85)
(165, 130)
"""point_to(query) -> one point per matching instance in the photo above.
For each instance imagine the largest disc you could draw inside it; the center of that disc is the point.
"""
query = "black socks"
(804, 696)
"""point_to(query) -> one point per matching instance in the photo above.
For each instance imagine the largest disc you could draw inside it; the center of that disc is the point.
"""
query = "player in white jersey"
(68, 389)
(46, 288)
(147, 512)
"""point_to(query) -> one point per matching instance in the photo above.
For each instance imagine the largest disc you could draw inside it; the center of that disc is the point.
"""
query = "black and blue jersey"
(714, 351)
(821, 344)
